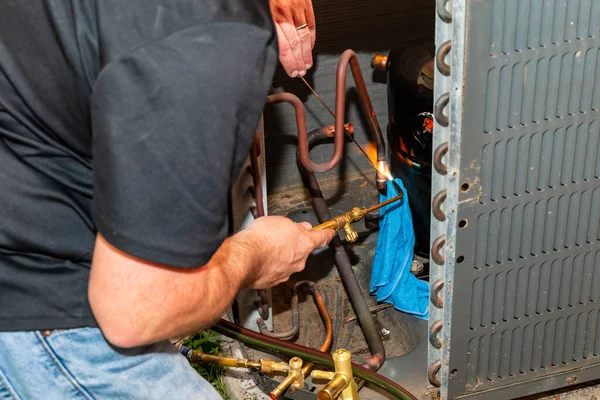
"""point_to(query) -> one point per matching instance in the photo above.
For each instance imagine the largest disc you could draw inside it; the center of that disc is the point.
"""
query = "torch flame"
(371, 150)
(382, 166)
(387, 173)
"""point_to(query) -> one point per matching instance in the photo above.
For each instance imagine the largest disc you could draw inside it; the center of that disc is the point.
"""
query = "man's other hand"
(283, 246)
(295, 24)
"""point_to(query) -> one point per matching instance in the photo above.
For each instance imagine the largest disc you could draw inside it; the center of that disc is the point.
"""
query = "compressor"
(410, 69)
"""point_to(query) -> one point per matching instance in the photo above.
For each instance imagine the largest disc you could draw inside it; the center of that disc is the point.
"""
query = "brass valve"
(354, 215)
(341, 382)
(295, 378)
(344, 222)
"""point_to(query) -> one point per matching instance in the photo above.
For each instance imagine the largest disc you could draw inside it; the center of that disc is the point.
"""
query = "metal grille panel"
(526, 256)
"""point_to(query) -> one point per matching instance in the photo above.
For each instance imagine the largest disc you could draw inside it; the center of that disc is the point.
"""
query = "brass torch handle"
(353, 215)
(331, 224)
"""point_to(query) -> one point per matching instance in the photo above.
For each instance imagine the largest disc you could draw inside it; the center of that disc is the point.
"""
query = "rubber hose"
(265, 343)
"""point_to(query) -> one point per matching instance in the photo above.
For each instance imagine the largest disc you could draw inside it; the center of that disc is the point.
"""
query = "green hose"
(265, 343)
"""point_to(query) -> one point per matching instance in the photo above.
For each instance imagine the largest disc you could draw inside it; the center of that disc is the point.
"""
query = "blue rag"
(391, 279)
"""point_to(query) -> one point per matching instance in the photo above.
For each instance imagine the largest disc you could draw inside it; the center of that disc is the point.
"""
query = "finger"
(304, 35)
(321, 238)
(294, 45)
(306, 225)
(286, 57)
(309, 14)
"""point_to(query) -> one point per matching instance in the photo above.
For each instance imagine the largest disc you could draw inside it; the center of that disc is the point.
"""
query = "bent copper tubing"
(256, 178)
(289, 334)
(338, 147)
(342, 261)
(349, 58)
(263, 306)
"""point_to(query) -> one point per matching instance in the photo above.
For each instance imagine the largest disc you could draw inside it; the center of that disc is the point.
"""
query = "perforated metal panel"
(523, 201)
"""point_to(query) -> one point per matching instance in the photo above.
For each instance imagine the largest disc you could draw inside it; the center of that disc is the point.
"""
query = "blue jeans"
(80, 364)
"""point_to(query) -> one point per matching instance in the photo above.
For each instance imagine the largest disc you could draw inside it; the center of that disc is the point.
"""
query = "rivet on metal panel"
(440, 58)
(432, 373)
(435, 250)
(440, 152)
(440, 106)
(443, 12)
(433, 334)
(435, 298)
(436, 206)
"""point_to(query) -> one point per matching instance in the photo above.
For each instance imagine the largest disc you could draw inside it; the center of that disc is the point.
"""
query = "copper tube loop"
(436, 247)
(338, 147)
(434, 332)
(289, 334)
(432, 373)
(443, 12)
(348, 57)
(438, 109)
(435, 298)
(436, 206)
(440, 152)
(440, 58)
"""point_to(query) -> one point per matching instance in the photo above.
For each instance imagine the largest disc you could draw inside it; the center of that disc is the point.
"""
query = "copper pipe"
(258, 211)
(349, 58)
(343, 264)
(289, 334)
(338, 147)
(328, 333)
(379, 62)
(256, 178)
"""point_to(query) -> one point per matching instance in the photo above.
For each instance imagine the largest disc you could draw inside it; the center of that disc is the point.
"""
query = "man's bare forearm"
(137, 303)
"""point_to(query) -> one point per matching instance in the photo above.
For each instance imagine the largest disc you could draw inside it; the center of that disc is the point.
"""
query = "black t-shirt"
(130, 118)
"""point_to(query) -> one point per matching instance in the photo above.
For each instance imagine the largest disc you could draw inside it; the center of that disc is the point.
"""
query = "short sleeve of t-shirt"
(172, 122)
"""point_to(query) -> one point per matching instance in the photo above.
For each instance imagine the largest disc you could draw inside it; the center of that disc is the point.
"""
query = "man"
(122, 126)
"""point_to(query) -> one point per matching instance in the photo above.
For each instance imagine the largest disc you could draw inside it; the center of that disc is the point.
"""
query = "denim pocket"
(58, 360)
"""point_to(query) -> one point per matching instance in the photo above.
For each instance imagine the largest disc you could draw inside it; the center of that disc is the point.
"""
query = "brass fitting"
(267, 366)
(379, 62)
(199, 356)
(295, 378)
(322, 375)
(355, 214)
(296, 369)
(344, 222)
(341, 382)
(334, 388)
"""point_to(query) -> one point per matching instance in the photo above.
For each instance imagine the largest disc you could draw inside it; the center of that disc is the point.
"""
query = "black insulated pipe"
(342, 261)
